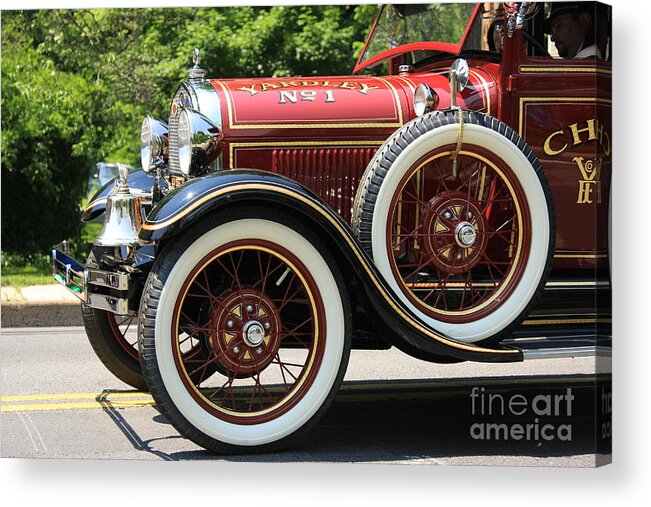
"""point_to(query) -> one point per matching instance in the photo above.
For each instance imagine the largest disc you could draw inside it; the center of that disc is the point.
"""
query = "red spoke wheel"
(255, 290)
(457, 241)
(114, 339)
(463, 236)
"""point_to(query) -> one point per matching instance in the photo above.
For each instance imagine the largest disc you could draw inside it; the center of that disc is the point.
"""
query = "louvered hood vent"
(331, 173)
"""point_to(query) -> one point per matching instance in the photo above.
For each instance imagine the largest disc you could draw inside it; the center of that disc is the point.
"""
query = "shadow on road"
(537, 416)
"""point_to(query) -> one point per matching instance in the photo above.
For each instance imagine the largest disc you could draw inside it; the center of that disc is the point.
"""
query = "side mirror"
(525, 9)
(458, 78)
(518, 13)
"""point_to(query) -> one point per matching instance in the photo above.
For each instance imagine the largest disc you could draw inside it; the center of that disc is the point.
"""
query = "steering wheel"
(534, 42)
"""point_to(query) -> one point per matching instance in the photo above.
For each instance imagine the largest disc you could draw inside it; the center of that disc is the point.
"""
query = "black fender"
(97, 205)
(202, 196)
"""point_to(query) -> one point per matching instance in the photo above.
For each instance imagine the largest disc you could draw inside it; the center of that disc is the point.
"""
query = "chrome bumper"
(91, 285)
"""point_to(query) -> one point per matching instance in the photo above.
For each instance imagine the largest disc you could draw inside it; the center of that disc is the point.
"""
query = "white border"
(124, 483)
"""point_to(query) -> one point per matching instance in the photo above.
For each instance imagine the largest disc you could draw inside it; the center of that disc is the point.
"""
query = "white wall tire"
(225, 425)
(522, 175)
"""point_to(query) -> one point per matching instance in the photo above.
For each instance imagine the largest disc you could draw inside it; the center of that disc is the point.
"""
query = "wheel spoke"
(420, 267)
(259, 385)
(293, 331)
(232, 321)
(290, 299)
(216, 357)
(219, 389)
(229, 273)
(489, 263)
(451, 238)
(282, 372)
(441, 177)
(283, 366)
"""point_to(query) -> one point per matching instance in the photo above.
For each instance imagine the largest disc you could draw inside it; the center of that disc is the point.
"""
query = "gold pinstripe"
(262, 186)
(525, 100)
(297, 144)
(564, 70)
(288, 126)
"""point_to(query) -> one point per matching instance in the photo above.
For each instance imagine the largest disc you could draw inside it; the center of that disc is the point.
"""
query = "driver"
(571, 25)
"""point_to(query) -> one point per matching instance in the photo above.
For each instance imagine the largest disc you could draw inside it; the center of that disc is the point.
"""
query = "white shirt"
(589, 52)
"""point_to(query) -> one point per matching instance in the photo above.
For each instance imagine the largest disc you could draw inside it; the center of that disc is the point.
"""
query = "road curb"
(41, 314)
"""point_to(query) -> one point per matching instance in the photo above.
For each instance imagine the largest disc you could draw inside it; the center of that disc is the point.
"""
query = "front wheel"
(115, 342)
(263, 291)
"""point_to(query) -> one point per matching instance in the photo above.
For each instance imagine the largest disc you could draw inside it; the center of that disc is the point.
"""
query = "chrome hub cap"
(465, 234)
(253, 333)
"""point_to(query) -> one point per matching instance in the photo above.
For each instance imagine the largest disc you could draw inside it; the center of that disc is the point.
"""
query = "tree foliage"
(76, 84)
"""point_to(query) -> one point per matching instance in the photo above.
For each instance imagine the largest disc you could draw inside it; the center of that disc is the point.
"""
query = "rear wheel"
(263, 291)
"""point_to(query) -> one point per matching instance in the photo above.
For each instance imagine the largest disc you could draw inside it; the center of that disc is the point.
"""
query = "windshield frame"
(443, 47)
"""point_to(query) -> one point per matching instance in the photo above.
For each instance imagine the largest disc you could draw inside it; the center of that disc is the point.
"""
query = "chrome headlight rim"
(154, 136)
(199, 142)
(184, 133)
(425, 99)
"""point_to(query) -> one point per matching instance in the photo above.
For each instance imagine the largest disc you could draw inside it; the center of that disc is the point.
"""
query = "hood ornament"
(196, 72)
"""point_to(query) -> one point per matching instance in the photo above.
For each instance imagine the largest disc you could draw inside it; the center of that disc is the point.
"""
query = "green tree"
(76, 84)
(43, 166)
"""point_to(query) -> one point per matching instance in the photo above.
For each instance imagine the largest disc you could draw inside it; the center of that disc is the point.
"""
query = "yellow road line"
(382, 391)
(36, 407)
(68, 401)
(73, 396)
(342, 397)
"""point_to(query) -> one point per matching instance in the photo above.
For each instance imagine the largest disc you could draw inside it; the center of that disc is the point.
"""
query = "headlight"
(185, 150)
(153, 142)
(199, 142)
(425, 99)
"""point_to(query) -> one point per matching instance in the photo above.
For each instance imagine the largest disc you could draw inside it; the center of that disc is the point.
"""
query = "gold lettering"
(269, 86)
(593, 128)
(606, 146)
(348, 85)
(600, 132)
(251, 89)
(585, 190)
(590, 170)
(576, 131)
(547, 146)
(366, 88)
(287, 84)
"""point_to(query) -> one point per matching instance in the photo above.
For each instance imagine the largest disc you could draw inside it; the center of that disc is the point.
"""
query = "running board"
(545, 347)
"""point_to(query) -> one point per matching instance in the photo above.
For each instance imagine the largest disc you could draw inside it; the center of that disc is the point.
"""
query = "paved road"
(58, 401)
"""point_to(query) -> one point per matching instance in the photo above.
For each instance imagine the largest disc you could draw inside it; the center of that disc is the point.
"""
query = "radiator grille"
(174, 136)
(331, 173)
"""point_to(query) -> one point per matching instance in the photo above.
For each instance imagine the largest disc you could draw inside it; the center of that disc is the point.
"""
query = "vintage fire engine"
(455, 207)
